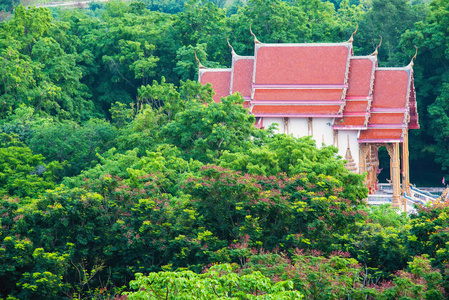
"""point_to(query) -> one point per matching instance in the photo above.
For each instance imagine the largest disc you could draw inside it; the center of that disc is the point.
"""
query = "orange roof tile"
(349, 121)
(386, 118)
(361, 71)
(298, 94)
(380, 135)
(301, 63)
(389, 106)
(220, 80)
(356, 106)
(391, 88)
(242, 74)
(296, 109)
(359, 92)
(309, 80)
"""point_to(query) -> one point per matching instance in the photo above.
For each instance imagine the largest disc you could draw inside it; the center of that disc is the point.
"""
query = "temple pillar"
(363, 152)
(373, 164)
(363, 148)
(369, 163)
(335, 136)
(369, 170)
(310, 126)
(405, 166)
(393, 151)
(286, 122)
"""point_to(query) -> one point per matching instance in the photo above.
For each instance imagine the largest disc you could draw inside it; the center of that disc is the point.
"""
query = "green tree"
(157, 106)
(8, 5)
(142, 133)
(275, 211)
(204, 23)
(388, 19)
(47, 77)
(274, 153)
(431, 38)
(78, 145)
(22, 173)
(26, 271)
(282, 22)
(166, 6)
(219, 282)
(129, 49)
(203, 131)
(186, 66)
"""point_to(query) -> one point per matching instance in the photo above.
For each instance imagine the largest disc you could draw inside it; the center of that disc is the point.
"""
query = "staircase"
(418, 196)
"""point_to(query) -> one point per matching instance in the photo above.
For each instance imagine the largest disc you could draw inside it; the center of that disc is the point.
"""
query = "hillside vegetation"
(120, 178)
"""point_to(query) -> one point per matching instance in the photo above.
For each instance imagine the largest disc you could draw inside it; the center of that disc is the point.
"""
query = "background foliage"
(114, 161)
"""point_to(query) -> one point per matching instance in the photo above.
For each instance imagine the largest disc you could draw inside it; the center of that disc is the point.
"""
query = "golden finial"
(229, 44)
(199, 63)
(377, 47)
(351, 39)
(255, 38)
(414, 56)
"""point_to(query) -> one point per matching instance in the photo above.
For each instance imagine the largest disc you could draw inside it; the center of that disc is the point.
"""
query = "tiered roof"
(220, 80)
(289, 81)
(359, 94)
(390, 110)
(322, 80)
(242, 71)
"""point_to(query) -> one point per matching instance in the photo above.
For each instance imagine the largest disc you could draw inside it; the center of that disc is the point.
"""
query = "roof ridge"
(304, 44)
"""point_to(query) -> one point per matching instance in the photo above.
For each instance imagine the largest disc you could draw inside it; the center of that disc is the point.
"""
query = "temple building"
(324, 91)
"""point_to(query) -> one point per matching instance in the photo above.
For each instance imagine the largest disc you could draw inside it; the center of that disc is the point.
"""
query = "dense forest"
(120, 178)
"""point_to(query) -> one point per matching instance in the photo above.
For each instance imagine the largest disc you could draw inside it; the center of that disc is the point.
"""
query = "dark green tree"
(388, 19)
(36, 71)
(432, 40)
(75, 144)
(23, 173)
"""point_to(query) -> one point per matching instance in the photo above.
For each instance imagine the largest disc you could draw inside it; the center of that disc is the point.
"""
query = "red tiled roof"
(359, 92)
(312, 75)
(386, 118)
(298, 94)
(296, 109)
(301, 63)
(220, 80)
(242, 74)
(391, 88)
(309, 80)
(356, 106)
(361, 76)
(380, 135)
(247, 104)
(389, 106)
(349, 121)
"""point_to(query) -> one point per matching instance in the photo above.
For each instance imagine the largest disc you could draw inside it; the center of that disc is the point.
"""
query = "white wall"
(268, 121)
(322, 130)
(298, 127)
(353, 144)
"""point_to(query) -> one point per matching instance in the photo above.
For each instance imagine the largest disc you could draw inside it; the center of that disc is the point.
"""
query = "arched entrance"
(399, 171)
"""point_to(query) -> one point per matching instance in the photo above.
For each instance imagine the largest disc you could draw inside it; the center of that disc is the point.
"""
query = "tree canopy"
(121, 178)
